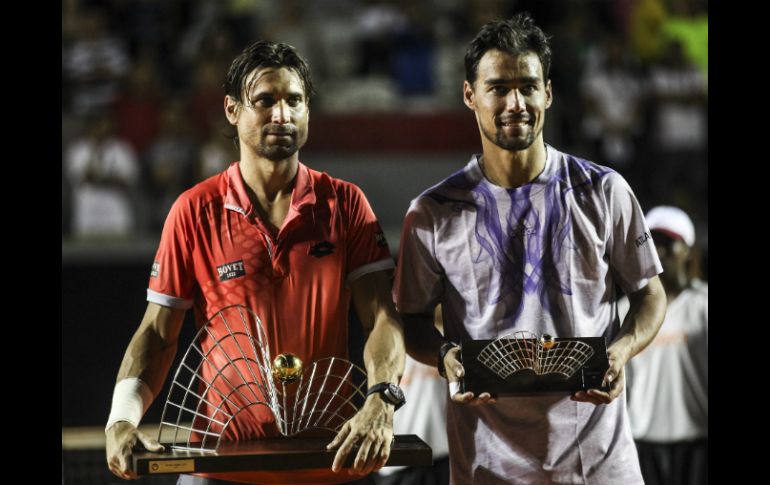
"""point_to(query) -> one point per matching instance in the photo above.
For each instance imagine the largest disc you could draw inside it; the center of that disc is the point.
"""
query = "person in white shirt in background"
(668, 381)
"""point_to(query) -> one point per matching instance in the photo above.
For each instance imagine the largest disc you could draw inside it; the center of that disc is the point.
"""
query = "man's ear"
(469, 97)
(548, 94)
(232, 109)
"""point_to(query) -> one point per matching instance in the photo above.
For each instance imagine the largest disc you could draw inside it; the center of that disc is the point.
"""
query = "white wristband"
(454, 388)
(130, 401)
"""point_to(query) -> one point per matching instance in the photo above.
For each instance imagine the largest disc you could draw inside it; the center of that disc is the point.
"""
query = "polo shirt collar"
(237, 198)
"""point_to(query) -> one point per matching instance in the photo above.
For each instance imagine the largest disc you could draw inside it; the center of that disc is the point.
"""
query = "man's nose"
(515, 101)
(280, 112)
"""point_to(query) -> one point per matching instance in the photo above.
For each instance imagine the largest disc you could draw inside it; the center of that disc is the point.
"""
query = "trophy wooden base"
(272, 455)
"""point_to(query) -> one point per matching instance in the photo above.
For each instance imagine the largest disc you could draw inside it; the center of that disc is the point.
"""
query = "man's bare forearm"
(645, 316)
(152, 348)
(384, 351)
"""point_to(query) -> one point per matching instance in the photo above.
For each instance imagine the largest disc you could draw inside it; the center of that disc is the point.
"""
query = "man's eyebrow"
(504, 80)
(268, 92)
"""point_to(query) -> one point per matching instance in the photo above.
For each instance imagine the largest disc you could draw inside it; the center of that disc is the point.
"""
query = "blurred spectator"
(413, 54)
(668, 381)
(93, 64)
(103, 171)
(376, 24)
(679, 91)
(137, 109)
(677, 142)
(170, 162)
(612, 94)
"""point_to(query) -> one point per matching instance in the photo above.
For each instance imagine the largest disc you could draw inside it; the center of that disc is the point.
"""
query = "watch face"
(396, 392)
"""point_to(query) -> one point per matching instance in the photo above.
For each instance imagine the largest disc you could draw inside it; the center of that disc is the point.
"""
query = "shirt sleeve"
(367, 249)
(632, 255)
(418, 284)
(172, 279)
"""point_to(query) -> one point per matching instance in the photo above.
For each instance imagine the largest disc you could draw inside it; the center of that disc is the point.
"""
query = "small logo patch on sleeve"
(380, 238)
(642, 239)
(231, 270)
(155, 269)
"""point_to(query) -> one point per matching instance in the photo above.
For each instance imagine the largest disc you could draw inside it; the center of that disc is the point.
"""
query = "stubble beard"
(277, 152)
(513, 144)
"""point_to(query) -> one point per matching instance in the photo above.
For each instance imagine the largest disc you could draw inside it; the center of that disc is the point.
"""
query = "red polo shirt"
(215, 252)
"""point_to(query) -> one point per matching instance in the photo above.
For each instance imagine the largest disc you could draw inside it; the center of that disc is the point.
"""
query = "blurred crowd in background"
(142, 116)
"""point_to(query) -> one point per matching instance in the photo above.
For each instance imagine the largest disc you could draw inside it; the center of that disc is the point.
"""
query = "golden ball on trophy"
(547, 341)
(287, 368)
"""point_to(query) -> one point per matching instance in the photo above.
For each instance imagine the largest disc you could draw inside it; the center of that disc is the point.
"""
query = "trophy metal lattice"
(227, 374)
(524, 350)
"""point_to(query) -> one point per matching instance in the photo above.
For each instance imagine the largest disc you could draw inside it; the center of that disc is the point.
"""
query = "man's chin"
(277, 153)
(514, 145)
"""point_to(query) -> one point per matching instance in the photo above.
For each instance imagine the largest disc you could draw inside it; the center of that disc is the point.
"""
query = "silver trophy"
(227, 375)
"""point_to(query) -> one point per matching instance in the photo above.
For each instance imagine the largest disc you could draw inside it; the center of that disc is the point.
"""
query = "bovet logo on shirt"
(231, 270)
(155, 269)
(321, 249)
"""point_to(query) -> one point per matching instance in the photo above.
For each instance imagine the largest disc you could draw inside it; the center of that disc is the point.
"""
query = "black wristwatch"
(389, 392)
(445, 348)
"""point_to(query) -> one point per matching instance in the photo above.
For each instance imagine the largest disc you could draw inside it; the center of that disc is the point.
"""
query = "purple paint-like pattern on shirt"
(529, 237)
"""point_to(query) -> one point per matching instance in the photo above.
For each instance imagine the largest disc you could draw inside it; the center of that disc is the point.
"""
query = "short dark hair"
(515, 36)
(261, 54)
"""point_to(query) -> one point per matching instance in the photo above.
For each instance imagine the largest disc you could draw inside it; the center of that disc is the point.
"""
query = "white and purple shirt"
(544, 257)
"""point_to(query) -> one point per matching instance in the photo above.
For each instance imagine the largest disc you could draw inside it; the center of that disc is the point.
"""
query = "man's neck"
(269, 180)
(511, 169)
(269, 185)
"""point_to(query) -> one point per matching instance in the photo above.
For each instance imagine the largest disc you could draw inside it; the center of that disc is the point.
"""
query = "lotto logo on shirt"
(155, 269)
(231, 270)
(321, 249)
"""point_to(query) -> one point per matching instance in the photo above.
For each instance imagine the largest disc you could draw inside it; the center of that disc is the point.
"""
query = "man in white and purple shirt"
(526, 237)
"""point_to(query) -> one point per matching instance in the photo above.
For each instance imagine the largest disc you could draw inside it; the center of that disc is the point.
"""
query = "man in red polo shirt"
(292, 244)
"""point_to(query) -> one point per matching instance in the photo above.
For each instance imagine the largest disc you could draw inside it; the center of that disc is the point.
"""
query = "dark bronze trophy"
(521, 364)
